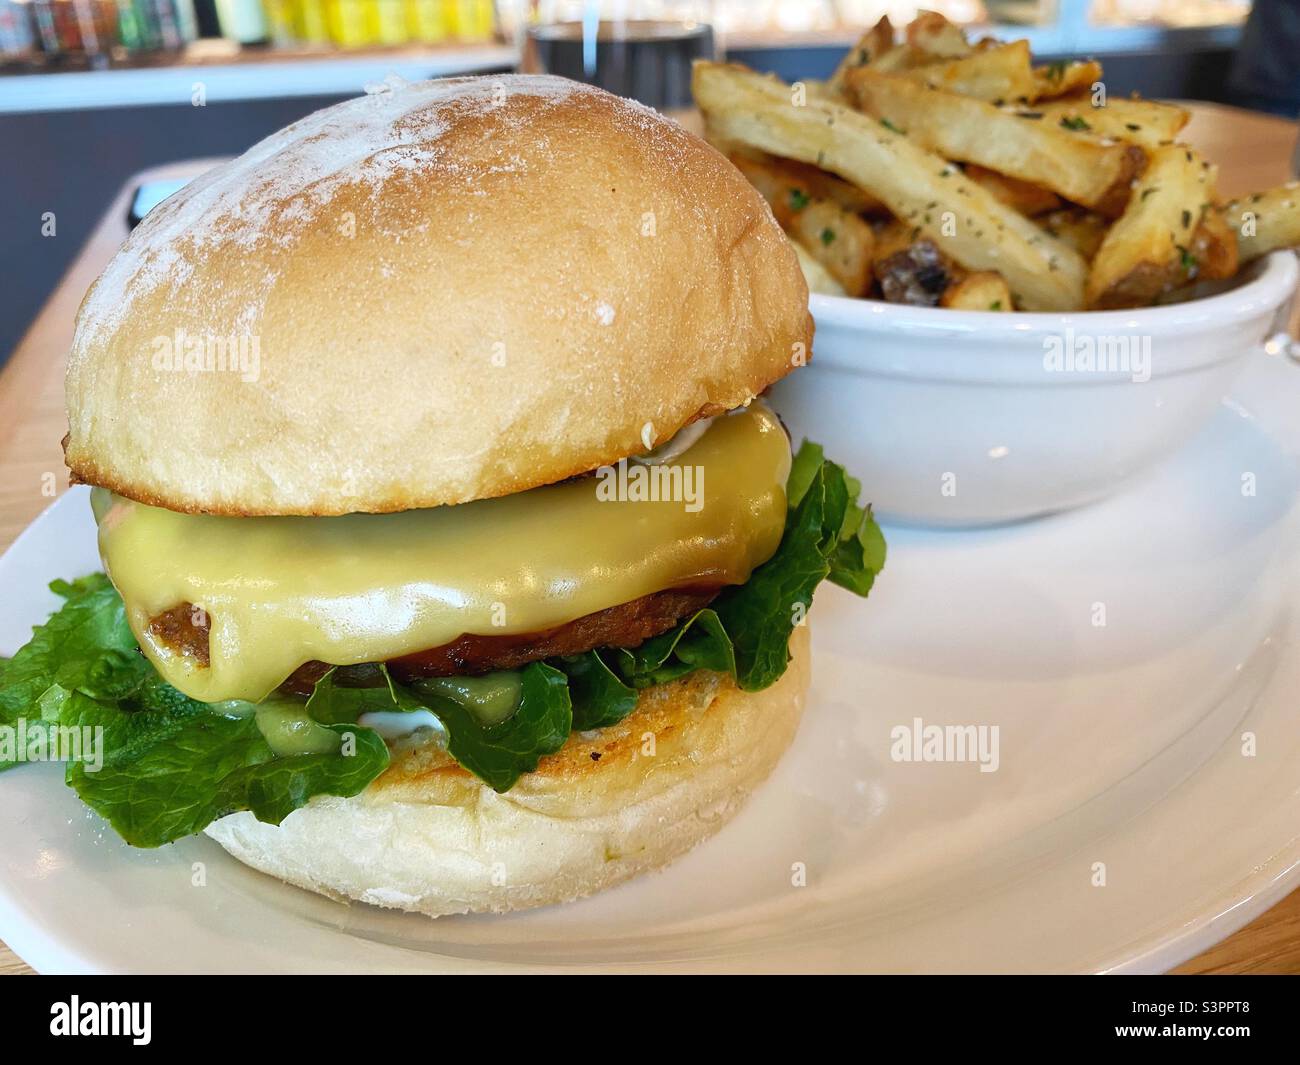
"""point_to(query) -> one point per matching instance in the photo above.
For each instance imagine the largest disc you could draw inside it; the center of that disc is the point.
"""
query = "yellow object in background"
(471, 20)
(279, 20)
(387, 21)
(365, 23)
(309, 21)
(349, 26)
(426, 21)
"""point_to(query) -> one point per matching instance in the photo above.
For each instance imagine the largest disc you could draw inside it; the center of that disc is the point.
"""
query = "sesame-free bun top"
(434, 293)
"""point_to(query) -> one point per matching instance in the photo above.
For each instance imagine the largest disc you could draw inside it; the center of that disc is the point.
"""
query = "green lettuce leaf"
(86, 646)
(496, 753)
(827, 535)
(697, 642)
(599, 696)
(214, 766)
(170, 765)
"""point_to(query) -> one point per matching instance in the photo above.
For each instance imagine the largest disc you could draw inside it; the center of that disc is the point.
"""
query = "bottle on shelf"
(472, 20)
(387, 21)
(310, 25)
(17, 39)
(241, 20)
(349, 26)
(426, 21)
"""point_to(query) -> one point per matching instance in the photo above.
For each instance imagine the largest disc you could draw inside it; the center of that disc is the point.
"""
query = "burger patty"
(184, 629)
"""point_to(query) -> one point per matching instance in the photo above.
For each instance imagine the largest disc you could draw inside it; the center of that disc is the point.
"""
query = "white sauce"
(394, 724)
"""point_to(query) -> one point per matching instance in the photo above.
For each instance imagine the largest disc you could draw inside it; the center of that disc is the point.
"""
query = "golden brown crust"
(446, 292)
(1116, 198)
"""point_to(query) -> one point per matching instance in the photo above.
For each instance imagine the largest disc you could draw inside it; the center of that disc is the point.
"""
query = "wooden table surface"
(1253, 152)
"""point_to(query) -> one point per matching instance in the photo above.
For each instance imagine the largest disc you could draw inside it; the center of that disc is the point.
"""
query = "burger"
(453, 560)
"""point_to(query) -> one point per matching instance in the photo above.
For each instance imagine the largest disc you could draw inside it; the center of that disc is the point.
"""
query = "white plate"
(1120, 744)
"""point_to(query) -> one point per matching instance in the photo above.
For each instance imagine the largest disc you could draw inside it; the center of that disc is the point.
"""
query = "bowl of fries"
(1025, 292)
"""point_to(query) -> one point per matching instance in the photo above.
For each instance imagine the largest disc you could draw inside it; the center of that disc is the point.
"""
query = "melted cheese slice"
(369, 587)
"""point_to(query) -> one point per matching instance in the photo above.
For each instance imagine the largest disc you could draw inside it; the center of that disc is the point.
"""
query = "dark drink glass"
(644, 59)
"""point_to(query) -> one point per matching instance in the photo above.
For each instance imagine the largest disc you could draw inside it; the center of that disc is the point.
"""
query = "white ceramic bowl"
(974, 417)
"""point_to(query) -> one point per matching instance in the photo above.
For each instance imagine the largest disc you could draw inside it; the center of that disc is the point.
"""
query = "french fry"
(1265, 221)
(835, 236)
(1213, 257)
(823, 90)
(1058, 79)
(981, 291)
(1148, 250)
(1080, 169)
(1026, 198)
(1078, 227)
(871, 46)
(784, 197)
(1142, 122)
(920, 188)
(892, 237)
(900, 57)
(817, 276)
(1214, 251)
(839, 240)
(999, 75)
(785, 183)
(932, 35)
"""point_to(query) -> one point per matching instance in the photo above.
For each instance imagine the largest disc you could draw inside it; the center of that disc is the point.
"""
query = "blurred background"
(92, 91)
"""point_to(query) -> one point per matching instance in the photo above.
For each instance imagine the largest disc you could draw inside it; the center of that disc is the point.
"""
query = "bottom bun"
(427, 836)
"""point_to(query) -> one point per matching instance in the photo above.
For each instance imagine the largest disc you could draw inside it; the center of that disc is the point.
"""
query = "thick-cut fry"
(1142, 122)
(894, 236)
(1148, 250)
(871, 46)
(842, 242)
(836, 237)
(1081, 169)
(1057, 79)
(1025, 197)
(792, 182)
(823, 90)
(818, 277)
(1214, 253)
(1078, 227)
(931, 34)
(981, 291)
(923, 190)
(998, 75)
(1265, 221)
(900, 57)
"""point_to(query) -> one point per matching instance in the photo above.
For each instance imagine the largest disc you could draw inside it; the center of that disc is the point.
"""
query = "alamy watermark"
(186, 352)
(635, 482)
(1071, 352)
(123, 1019)
(45, 741)
(919, 742)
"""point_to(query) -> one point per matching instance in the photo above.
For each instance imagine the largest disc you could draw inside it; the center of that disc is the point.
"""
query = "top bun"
(435, 293)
